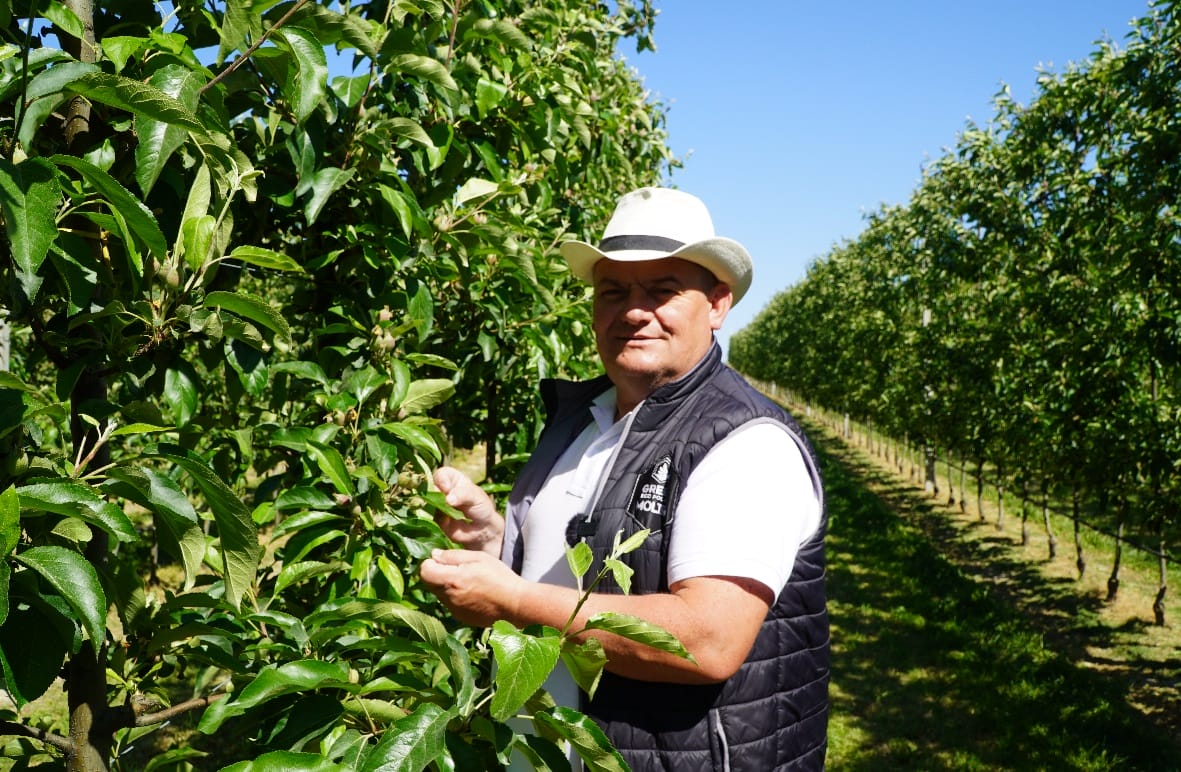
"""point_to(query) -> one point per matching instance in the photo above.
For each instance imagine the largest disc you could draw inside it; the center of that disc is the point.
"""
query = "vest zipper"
(606, 475)
(715, 720)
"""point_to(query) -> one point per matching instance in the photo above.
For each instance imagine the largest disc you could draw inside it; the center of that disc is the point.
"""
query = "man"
(672, 440)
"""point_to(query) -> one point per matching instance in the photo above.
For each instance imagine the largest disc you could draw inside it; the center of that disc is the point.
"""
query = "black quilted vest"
(773, 713)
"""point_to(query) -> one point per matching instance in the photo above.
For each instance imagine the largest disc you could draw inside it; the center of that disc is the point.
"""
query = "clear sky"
(795, 119)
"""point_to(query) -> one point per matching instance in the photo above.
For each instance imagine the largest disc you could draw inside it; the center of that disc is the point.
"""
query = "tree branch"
(250, 51)
(159, 717)
(11, 728)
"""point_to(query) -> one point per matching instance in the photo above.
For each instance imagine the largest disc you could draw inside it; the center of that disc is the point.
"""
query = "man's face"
(654, 319)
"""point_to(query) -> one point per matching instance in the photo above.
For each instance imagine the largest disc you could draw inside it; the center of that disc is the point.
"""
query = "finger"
(448, 478)
(456, 557)
(437, 573)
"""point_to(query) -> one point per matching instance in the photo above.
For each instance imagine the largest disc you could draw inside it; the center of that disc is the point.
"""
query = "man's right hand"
(484, 528)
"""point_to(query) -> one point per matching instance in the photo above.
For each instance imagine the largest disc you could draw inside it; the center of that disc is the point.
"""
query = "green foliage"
(1021, 310)
(264, 265)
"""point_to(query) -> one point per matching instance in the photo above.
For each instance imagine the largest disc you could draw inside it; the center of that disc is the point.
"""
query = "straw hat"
(654, 223)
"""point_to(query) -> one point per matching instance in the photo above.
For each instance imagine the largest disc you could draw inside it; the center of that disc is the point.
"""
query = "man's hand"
(483, 531)
(478, 588)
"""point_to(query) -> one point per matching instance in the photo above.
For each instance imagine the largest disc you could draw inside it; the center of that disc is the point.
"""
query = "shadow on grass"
(935, 668)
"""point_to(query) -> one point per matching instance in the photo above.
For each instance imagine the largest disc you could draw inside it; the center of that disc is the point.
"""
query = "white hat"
(654, 223)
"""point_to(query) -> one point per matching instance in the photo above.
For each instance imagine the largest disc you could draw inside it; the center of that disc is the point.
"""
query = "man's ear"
(721, 299)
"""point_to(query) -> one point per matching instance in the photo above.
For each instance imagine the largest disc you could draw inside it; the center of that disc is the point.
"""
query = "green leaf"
(159, 139)
(176, 520)
(250, 307)
(621, 572)
(428, 69)
(325, 182)
(196, 206)
(378, 612)
(585, 736)
(408, 129)
(197, 239)
(266, 258)
(306, 90)
(475, 188)
(636, 629)
(64, 17)
(488, 95)
(74, 578)
(180, 394)
(137, 98)
(137, 216)
(350, 88)
(633, 542)
(77, 499)
(427, 393)
(421, 309)
(412, 743)
(285, 761)
(502, 31)
(331, 464)
(302, 369)
(32, 650)
(396, 200)
(303, 497)
(140, 428)
(271, 682)
(10, 522)
(29, 196)
(579, 558)
(5, 583)
(585, 661)
(419, 440)
(363, 383)
(296, 573)
(240, 549)
(523, 662)
(249, 364)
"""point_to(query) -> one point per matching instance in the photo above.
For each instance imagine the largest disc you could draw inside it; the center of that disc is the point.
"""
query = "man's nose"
(640, 305)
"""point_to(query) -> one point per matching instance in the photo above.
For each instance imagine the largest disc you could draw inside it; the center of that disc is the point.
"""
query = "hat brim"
(724, 258)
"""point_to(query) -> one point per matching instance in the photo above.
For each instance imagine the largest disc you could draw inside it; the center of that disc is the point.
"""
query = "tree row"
(1022, 310)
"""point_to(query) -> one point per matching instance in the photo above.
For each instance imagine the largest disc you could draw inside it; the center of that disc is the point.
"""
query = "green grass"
(953, 649)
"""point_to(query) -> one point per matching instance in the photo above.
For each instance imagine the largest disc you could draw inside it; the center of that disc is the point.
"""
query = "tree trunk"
(963, 485)
(1080, 560)
(85, 672)
(5, 341)
(930, 481)
(1000, 505)
(950, 484)
(491, 430)
(1024, 512)
(1051, 539)
(980, 490)
(1158, 605)
(1113, 580)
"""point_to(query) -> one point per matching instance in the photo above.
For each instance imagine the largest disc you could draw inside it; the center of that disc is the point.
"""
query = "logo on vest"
(653, 494)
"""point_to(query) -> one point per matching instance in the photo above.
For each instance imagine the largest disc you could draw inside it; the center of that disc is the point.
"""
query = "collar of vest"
(687, 383)
(559, 396)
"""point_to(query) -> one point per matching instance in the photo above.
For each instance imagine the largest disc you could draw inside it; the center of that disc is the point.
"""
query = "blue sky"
(795, 119)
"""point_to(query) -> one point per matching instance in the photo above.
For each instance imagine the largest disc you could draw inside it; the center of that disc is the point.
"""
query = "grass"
(957, 648)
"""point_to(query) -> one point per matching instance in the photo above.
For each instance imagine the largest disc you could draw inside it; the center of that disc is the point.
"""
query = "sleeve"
(745, 510)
